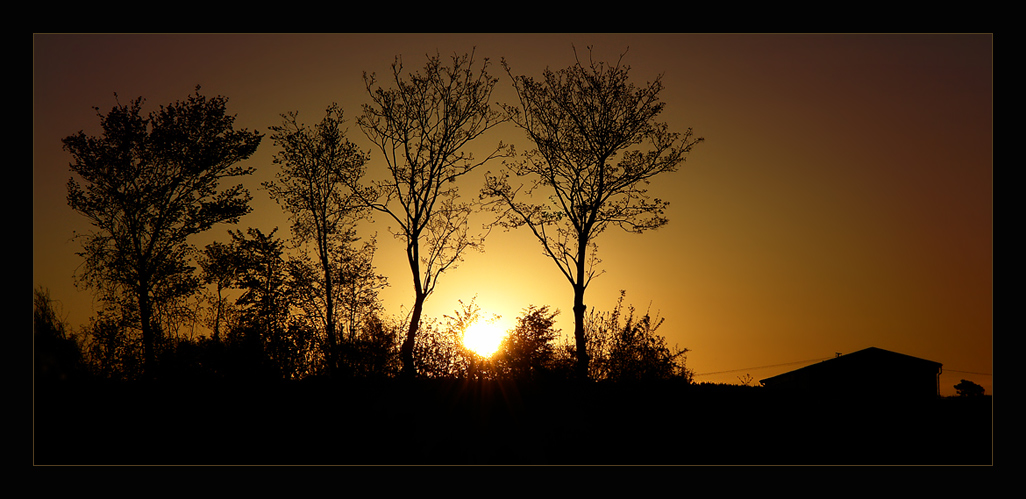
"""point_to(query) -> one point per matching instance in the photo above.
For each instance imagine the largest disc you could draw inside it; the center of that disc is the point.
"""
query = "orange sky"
(842, 198)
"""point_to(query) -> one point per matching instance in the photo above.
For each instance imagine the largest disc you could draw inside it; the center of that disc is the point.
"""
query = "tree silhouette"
(438, 351)
(627, 348)
(637, 353)
(263, 277)
(966, 388)
(374, 352)
(148, 183)
(355, 286)
(267, 338)
(528, 350)
(421, 127)
(111, 344)
(220, 264)
(359, 306)
(58, 354)
(597, 147)
(320, 168)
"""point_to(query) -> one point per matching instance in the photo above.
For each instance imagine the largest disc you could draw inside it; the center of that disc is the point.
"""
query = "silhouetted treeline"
(150, 182)
(236, 401)
(259, 349)
(257, 342)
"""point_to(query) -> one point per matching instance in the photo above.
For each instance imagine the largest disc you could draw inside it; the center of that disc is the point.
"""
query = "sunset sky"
(842, 199)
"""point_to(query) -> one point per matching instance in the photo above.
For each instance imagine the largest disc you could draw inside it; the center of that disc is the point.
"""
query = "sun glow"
(483, 337)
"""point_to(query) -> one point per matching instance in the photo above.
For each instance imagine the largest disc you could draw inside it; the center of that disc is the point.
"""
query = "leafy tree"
(112, 345)
(421, 126)
(529, 349)
(264, 279)
(966, 388)
(147, 184)
(355, 289)
(220, 264)
(320, 168)
(374, 353)
(597, 147)
(359, 306)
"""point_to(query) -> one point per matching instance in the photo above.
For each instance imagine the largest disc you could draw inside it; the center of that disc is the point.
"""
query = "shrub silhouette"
(112, 346)
(58, 355)
(625, 348)
(437, 351)
(966, 388)
(374, 353)
(528, 351)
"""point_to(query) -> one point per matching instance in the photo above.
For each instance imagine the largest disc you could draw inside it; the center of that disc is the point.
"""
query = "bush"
(438, 353)
(966, 388)
(112, 346)
(528, 351)
(58, 355)
(625, 348)
(374, 353)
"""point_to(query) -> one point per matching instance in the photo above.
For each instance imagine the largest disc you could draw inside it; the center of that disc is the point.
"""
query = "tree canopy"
(146, 184)
(598, 145)
(317, 184)
(422, 126)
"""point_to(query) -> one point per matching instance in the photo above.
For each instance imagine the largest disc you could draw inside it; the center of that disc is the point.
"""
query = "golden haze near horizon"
(842, 199)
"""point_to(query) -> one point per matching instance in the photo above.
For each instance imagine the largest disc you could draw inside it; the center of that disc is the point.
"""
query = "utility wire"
(816, 360)
(765, 367)
(966, 372)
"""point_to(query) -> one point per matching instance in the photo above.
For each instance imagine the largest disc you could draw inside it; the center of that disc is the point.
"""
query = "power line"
(816, 360)
(765, 367)
(966, 372)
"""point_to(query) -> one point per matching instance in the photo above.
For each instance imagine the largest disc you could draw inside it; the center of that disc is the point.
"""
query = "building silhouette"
(870, 373)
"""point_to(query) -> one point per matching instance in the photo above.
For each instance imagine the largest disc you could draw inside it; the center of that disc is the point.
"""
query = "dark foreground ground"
(466, 423)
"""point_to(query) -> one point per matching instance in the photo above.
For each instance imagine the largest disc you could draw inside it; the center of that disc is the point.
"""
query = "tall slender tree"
(597, 147)
(221, 265)
(422, 127)
(146, 184)
(318, 185)
(262, 274)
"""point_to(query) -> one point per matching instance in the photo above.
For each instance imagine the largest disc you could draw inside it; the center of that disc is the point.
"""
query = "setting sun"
(483, 337)
(512, 248)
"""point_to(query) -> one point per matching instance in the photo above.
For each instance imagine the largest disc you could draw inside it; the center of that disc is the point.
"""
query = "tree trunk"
(329, 316)
(579, 307)
(409, 370)
(220, 312)
(413, 255)
(146, 324)
(582, 350)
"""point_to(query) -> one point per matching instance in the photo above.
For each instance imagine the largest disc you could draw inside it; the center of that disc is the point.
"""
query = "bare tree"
(422, 126)
(598, 146)
(148, 184)
(320, 168)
